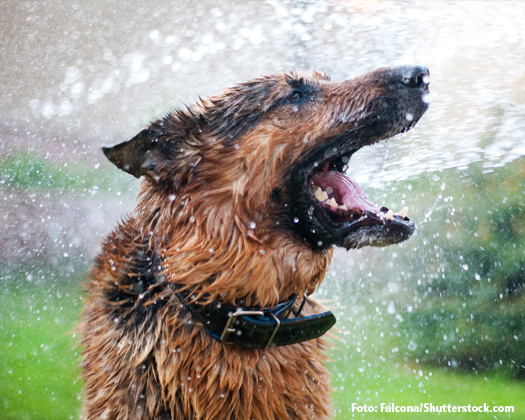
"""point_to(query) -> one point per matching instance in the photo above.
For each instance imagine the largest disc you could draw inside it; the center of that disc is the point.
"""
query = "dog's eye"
(296, 96)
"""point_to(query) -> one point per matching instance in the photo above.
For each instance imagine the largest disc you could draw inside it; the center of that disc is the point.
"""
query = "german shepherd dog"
(198, 305)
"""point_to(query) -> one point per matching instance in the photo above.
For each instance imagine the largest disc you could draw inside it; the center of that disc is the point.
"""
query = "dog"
(198, 304)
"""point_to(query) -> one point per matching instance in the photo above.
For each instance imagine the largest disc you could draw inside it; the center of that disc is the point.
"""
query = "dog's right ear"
(166, 152)
(138, 156)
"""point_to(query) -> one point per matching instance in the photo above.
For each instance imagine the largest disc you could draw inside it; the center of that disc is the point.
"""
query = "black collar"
(255, 328)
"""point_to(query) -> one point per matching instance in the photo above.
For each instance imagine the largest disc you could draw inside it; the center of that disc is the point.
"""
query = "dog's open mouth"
(328, 207)
(341, 207)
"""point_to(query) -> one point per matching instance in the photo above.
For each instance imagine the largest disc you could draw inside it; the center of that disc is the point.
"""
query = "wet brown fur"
(210, 208)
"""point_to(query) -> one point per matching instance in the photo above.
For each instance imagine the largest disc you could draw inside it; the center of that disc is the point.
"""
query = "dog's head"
(275, 149)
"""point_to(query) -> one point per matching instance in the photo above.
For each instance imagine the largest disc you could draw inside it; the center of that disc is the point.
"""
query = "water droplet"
(391, 308)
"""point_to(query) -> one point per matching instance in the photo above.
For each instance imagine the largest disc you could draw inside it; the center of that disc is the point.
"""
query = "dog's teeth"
(332, 203)
(343, 207)
(403, 213)
(389, 215)
(320, 194)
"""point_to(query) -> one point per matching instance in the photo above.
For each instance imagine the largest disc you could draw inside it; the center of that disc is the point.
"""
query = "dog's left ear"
(137, 156)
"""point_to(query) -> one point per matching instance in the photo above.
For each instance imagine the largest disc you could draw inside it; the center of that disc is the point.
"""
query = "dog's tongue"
(344, 189)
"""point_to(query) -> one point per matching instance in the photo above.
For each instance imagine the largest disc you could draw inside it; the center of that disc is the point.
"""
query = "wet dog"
(197, 304)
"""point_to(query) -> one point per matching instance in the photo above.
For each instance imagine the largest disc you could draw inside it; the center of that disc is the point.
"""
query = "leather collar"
(255, 328)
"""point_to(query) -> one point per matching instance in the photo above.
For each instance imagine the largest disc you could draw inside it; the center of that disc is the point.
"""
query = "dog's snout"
(417, 77)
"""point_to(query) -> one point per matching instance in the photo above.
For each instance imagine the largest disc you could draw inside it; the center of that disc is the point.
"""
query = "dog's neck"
(228, 259)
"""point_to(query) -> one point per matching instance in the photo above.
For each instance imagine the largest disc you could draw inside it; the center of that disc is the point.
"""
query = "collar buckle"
(231, 320)
(240, 312)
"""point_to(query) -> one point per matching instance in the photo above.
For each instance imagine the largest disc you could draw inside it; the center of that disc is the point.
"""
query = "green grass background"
(38, 351)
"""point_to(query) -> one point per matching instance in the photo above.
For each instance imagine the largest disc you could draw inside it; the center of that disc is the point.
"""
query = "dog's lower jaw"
(377, 237)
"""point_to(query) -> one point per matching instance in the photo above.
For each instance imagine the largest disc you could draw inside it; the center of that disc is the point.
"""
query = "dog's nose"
(414, 76)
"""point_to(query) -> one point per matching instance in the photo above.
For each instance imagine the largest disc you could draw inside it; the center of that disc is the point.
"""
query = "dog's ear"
(137, 156)
(167, 151)
(161, 152)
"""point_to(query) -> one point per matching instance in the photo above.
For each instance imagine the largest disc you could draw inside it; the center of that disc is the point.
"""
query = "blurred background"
(439, 319)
